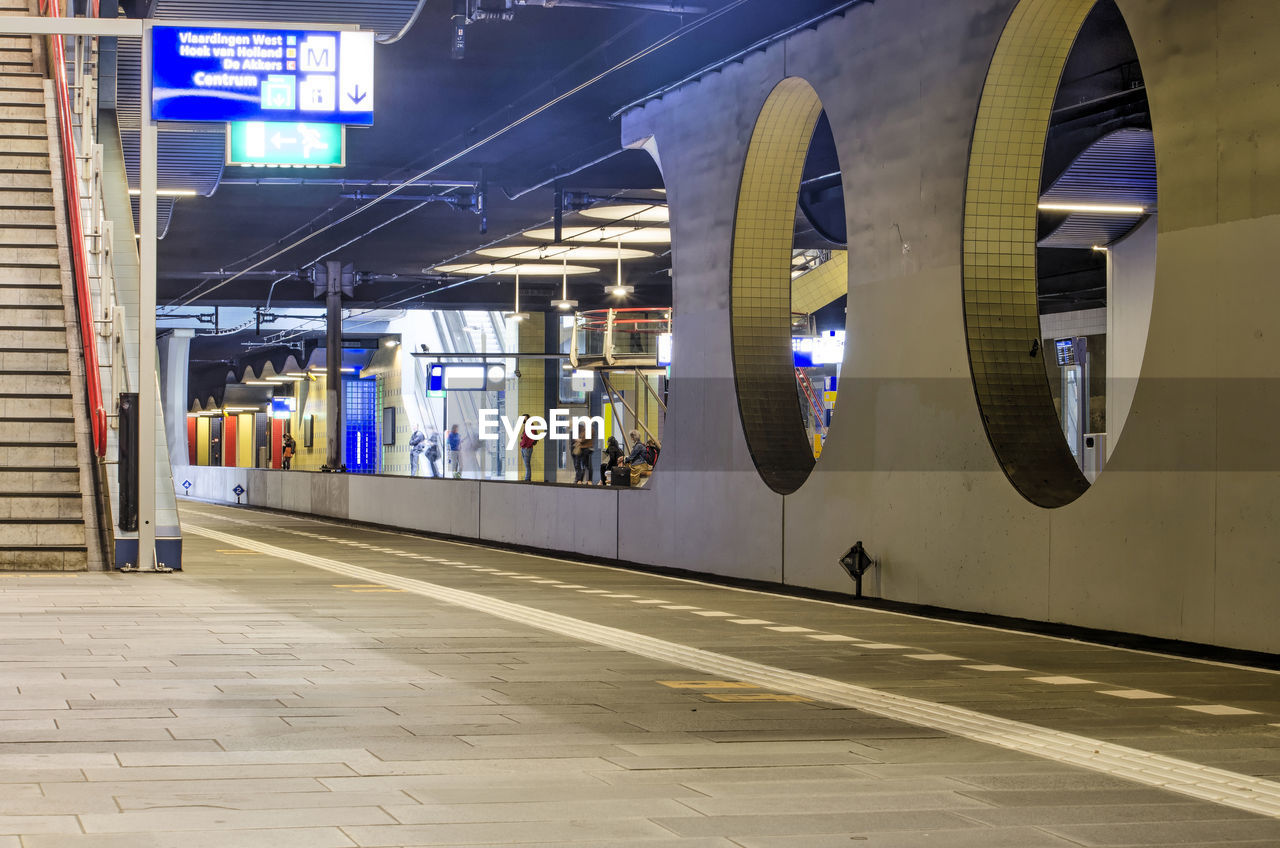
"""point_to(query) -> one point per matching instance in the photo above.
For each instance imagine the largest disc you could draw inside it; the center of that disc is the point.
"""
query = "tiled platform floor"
(258, 701)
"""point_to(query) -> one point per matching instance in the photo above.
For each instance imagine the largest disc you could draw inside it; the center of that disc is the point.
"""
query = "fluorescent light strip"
(166, 192)
(1093, 208)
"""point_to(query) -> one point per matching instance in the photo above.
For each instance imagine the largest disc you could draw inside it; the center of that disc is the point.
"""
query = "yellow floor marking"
(745, 698)
(706, 684)
(354, 585)
(377, 590)
(236, 551)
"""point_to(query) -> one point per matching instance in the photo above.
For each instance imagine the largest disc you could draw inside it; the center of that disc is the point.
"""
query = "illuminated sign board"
(286, 145)
(826, 349)
(1066, 352)
(227, 74)
(282, 406)
(664, 348)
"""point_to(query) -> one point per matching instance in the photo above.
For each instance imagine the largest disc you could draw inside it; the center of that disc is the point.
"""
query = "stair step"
(42, 520)
(22, 83)
(62, 458)
(28, 254)
(30, 318)
(26, 216)
(59, 506)
(39, 480)
(25, 143)
(24, 161)
(34, 362)
(44, 297)
(28, 179)
(42, 559)
(34, 407)
(21, 96)
(14, 431)
(21, 111)
(40, 495)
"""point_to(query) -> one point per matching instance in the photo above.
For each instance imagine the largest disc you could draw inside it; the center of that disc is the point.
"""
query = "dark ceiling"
(429, 108)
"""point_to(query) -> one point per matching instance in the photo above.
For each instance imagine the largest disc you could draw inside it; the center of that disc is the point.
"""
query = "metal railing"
(618, 337)
(75, 224)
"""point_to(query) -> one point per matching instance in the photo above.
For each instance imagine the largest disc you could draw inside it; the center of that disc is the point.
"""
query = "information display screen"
(228, 74)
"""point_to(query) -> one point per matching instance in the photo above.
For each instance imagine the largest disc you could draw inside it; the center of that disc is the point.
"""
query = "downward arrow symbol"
(357, 96)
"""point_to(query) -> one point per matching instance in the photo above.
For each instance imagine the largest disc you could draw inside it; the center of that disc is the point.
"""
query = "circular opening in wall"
(789, 285)
(1059, 243)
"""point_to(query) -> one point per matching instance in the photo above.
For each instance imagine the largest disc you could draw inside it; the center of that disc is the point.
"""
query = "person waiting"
(612, 457)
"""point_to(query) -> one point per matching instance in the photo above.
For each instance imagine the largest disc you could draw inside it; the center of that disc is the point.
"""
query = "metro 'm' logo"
(318, 54)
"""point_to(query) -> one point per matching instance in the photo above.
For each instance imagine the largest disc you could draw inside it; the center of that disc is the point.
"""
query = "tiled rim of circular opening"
(1002, 320)
(760, 307)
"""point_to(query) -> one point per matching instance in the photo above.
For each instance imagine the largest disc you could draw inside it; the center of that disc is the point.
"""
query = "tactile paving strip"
(1231, 789)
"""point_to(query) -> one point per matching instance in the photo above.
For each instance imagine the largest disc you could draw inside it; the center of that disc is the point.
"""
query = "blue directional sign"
(228, 74)
(186, 484)
(238, 490)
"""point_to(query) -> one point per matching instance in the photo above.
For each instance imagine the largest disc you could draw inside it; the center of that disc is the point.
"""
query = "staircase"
(47, 503)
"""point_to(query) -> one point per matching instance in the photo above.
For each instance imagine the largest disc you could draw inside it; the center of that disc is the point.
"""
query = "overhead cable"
(555, 101)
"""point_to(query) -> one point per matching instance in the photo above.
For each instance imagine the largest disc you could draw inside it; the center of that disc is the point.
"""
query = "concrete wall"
(1131, 281)
(1177, 538)
(553, 518)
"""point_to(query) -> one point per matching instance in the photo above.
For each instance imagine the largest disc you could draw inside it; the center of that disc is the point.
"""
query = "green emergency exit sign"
(286, 145)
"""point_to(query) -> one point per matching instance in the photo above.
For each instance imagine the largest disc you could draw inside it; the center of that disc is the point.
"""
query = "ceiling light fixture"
(563, 252)
(598, 235)
(510, 269)
(517, 315)
(629, 213)
(619, 289)
(1092, 208)
(564, 303)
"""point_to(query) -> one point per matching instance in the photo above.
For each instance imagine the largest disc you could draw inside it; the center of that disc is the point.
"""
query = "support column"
(148, 154)
(333, 360)
(530, 389)
(175, 359)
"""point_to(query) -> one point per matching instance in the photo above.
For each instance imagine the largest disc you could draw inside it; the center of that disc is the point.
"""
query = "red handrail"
(93, 377)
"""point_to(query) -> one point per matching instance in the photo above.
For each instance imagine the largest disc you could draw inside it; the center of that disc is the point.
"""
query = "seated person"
(612, 457)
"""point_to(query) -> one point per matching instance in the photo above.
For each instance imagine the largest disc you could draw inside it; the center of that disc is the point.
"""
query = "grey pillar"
(333, 359)
(175, 359)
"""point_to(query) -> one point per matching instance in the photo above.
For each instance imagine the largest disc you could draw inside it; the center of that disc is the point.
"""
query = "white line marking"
(714, 613)
(650, 601)
(789, 628)
(751, 621)
(833, 637)
(1217, 709)
(934, 657)
(491, 547)
(1134, 694)
(992, 667)
(1062, 681)
(680, 607)
(1204, 782)
(881, 646)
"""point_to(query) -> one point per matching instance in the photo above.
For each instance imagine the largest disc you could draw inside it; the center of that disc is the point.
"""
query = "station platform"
(310, 683)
